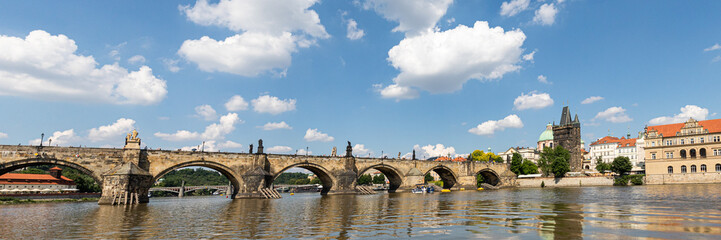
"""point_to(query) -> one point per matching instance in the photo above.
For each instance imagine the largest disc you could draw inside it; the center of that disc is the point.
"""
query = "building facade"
(567, 134)
(546, 138)
(608, 148)
(688, 152)
(16, 183)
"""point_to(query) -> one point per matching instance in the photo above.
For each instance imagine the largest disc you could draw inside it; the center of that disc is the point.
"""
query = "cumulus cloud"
(688, 111)
(213, 146)
(353, 32)
(3, 135)
(236, 103)
(312, 135)
(206, 112)
(591, 99)
(534, 100)
(546, 14)
(304, 152)
(361, 150)
(137, 59)
(396, 92)
(275, 125)
(215, 131)
(279, 149)
(441, 62)
(529, 57)
(271, 32)
(58, 138)
(414, 17)
(491, 126)
(114, 131)
(429, 151)
(543, 79)
(171, 65)
(45, 66)
(712, 48)
(272, 105)
(514, 7)
(614, 115)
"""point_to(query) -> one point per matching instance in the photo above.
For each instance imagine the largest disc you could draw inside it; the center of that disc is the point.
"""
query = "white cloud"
(213, 131)
(312, 135)
(273, 17)
(712, 48)
(546, 15)
(303, 152)
(396, 92)
(236, 103)
(206, 112)
(279, 149)
(514, 7)
(46, 66)
(275, 125)
(58, 138)
(360, 150)
(533, 100)
(491, 126)
(614, 115)
(353, 32)
(429, 151)
(272, 105)
(213, 146)
(3, 135)
(441, 62)
(414, 17)
(543, 79)
(137, 59)
(688, 111)
(113, 131)
(271, 32)
(591, 99)
(171, 65)
(529, 57)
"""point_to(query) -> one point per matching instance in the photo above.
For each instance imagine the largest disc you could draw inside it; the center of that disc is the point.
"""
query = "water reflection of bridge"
(185, 189)
(298, 188)
(127, 174)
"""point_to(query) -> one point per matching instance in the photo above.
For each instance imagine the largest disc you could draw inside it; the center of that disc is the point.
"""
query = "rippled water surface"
(665, 211)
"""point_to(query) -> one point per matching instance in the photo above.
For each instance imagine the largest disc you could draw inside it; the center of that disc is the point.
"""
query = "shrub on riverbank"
(636, 179)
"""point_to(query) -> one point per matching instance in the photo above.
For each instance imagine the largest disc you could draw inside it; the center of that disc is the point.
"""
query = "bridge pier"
(126, 184)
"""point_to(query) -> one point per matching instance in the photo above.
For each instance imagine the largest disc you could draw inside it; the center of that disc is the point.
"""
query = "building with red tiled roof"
(11, 183)
(688, 152)
(608, 148)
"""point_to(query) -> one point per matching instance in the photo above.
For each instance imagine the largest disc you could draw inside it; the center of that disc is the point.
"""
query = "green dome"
(546, 135)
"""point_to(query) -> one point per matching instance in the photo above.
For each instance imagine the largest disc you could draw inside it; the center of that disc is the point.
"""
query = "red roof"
(631, 142)
(25, 178)
(622, 142)
(606, 139)
(668, 130)
(56, 168)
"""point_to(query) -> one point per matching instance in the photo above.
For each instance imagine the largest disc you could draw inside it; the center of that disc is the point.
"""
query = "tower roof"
(546, 134)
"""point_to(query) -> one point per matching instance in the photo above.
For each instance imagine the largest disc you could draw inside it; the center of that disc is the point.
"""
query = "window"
(716, 139)
(683, 168)
(700, 140)
(693, 168)
(653, 144)
(682, 141)
(670, 169)
(691, 140)
(653, 156)
(669, 154)
(718, 167)
(669, 142)
(703, 167)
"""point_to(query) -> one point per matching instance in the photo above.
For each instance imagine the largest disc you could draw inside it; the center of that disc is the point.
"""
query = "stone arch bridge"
(129, 173)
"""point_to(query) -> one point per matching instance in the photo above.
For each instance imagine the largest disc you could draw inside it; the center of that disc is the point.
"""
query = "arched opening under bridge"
(195, 177)
(302, 177)
(487, 176)
(441, 176)
(381, 176)
(36, 174)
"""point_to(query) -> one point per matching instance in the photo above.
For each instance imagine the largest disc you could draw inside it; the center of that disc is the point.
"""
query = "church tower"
(567, 134)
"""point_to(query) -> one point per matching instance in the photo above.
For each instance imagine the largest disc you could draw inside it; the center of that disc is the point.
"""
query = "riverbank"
(12, 200)
(564, 182)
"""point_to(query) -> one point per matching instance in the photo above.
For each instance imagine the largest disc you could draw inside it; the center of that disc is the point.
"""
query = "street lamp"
(42, 136)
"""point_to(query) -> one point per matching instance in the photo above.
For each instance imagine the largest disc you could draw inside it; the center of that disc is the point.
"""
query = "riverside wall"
(684, 178)
(565, 182)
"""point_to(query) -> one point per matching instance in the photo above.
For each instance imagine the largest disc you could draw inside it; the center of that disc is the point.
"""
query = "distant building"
(567, 134)
(527, 153)
(688, 152)
(608, 148)
(546, 138)
(15, 183)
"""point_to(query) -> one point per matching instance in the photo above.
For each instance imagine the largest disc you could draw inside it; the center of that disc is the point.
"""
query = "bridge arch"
(326, 179)
(447, 175)
(490, 176)
(14, 165)
(395, 179)
(226, 171)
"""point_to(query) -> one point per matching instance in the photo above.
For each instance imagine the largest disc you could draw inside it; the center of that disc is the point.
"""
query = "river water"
(661, 211)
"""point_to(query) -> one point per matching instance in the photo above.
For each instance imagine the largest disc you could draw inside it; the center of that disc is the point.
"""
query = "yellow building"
(687, 152)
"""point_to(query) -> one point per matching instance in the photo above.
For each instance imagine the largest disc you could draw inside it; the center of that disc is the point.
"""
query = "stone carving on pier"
(132, 141)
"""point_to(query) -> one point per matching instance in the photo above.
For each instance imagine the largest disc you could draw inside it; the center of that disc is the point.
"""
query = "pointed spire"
(575, 119)
(565, 116)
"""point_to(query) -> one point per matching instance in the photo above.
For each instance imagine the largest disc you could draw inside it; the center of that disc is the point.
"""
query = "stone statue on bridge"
(250, 150)
(132, 141)
(349, 150)
(334, 152)
(414, 155)
(260, 146)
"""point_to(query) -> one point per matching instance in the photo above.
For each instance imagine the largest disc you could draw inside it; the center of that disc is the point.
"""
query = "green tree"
(365, 179)
(528, 167)
(621, 165)
(476, 155)
(479, 180)
(555, 160)
(379, 179)
(428, 177)
(602, 166)
(516, 162)
(315, 181)
(33, 171)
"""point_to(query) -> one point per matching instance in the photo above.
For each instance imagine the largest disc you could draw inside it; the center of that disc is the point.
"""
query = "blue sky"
(463, 74)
